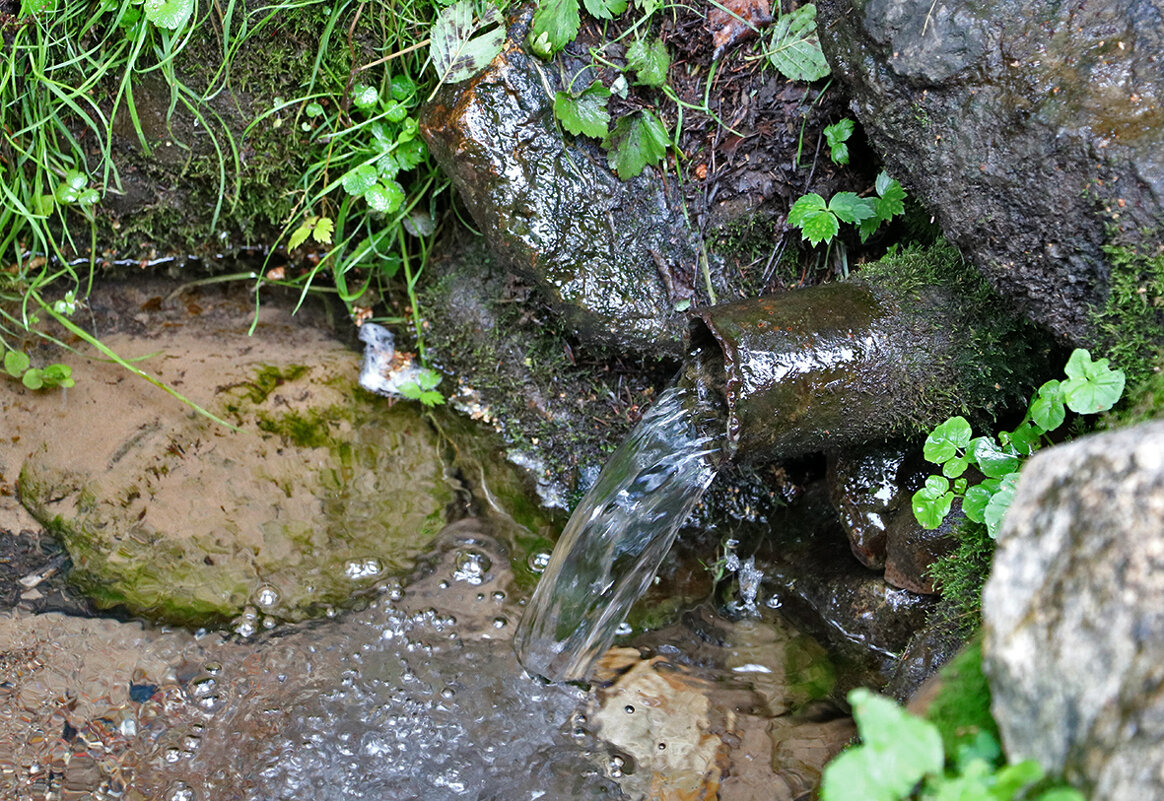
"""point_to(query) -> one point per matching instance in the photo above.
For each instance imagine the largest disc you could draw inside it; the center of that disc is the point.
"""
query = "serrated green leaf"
(555, 24)
(1091, 386)
(946, 440)
(851, 208)
(794, 49)
(586, 114)
(458, 50)
(636, 142)
(898, 750)
(359, 180)
(411, 153)
(649, 7)
(805, 205)
(15, 363)
(88, 197)
(428, 378)
(836, 135)
(170, 14)
(819, 226)
(605, 9)
(385, 197)
(394, 111)
(322, 230)
(891, 200)
(650, 62)
(300, 234)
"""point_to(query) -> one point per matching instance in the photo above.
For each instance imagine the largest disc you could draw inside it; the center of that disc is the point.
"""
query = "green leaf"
(932, 502)
(322, 230)
(57, 375)
(555, 24)
(385, 197)
(359, 180)
(605, 9)
(313, 110)
(586, 114)
(946, 440)
(1024, 439)
(33, 379)
(411, 153)
(837, 135)
(992, 460)
(635, 142)
(88, 197)
(428, 397)
(1047, 409)
(649, 61)
(891, 200)
(1062, 794)
(1091, 387)
(170, 14)
(428, 378)
(851, 208)
(15, 363)
(1011, 779)
(364, 96)
(996, 509)
(816, 223)
(458, 51)
(403, 88)
(898, 751)
(30, 7)
(649, 7)
(974, 502)
(955, 467)
(395, 111)
(794, 48)
(300, 234)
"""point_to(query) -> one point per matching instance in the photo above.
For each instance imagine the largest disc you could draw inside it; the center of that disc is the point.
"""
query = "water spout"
(619, 534)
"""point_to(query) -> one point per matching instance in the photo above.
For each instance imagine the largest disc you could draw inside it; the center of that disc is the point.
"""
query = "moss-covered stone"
(1130, 327)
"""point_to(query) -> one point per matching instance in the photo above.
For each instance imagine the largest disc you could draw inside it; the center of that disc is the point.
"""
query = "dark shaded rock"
(912, 549)
(928, 651)
(1074, 615)
(1028, 126)
(603, 252)
(864, 490)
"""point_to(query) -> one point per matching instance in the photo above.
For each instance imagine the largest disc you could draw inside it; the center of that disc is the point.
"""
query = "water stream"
(619, 534)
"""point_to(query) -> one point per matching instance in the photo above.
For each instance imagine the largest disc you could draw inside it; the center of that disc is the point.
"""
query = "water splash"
(620, 532)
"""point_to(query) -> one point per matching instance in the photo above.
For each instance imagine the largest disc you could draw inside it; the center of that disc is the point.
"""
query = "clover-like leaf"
(584, 114)
(1091, 386)
(16, 363)
(992, 460)
(996, 509)
(169, 14)
(794, 48)
(932, 503)
(636, 141)
(33, 379)
(837, 135)
(974, 502)
(459, 50)
(1047, 410)
(359, 180)
(385, 197)
(364, 96)
(946, 440)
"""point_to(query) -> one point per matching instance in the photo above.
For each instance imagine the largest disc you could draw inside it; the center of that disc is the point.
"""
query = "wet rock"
(1029, 127)
(1074, 614)
(605, 254)
(322, 491)
(913, 550)
(864, 489)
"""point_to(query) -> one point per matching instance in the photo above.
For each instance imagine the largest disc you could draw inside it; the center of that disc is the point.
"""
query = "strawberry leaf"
(585, 114)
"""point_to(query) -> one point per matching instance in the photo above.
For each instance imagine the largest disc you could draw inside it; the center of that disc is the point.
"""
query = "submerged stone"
(1033, 129)
(323, 491)
(607, 255)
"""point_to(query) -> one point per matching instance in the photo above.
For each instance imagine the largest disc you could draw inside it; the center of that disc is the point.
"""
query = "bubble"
(629, 709)
(624, 629)
(500, 622)
(538, 562)
(267, 596)
(180, 792)
(448, 692)
(498, 595)
(363, 568)
(471, 567)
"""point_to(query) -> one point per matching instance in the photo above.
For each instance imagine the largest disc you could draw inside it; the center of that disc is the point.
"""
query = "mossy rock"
(324, 491)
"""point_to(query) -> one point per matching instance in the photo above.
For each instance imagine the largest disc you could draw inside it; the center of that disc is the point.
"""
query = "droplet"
(498, 595)
(538, 562)
(472, 567)
(629, 709)
(500, 622)
(267, 596)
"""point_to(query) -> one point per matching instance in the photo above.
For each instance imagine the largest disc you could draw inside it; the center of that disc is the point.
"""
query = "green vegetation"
(1131, 325)
(793, 47)
(1091, 387)
(837, 136)
(819, 221)
(906, 757)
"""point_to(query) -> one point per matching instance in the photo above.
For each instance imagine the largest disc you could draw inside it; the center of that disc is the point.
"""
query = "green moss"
(961, 709)
(1130, 327)
(1144, 401)
(959, 578)
(309, 430)
(996, 356)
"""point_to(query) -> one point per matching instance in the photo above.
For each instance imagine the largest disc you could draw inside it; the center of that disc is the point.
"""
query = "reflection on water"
(619, 535)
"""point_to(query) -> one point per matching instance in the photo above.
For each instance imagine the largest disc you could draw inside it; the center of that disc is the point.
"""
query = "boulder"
(607, 255)
(1033, 129)
(1074, 615)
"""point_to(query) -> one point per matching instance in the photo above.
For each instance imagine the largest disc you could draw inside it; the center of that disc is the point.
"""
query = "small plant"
(18, 365)
(819, 221)
(1091, 387)
(837, 136)
(423, 389)
(902, 757)
(793, 47)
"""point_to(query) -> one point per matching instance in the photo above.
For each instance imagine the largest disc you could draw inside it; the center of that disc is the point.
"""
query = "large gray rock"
(612, 258)
(1032, 128)
(1074, 614)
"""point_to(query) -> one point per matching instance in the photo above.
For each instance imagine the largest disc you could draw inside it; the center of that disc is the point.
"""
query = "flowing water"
(620, 532)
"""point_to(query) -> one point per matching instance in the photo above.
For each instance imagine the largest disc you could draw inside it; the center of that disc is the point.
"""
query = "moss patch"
(1131, 325)
(961, 709)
